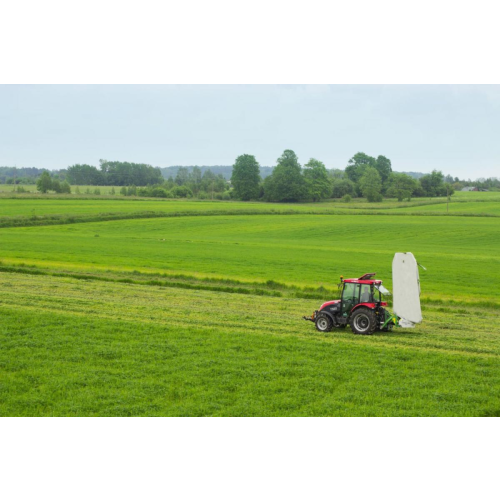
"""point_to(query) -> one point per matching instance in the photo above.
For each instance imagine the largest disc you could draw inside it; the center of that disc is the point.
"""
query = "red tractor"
(361, 306)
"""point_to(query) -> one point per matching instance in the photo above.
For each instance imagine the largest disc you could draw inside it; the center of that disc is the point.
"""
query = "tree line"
(114, 173)
(46, 183)
(186, 184)
(224, 170)
(364, 175)
(27, 175)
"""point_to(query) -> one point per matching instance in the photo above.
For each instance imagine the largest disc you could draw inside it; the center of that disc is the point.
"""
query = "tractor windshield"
(350, 297)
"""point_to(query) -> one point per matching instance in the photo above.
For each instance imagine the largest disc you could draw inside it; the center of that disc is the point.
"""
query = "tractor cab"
(361, 291)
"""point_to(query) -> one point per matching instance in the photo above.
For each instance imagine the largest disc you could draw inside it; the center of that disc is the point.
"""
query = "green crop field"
(37, 204)
(295, 249)
(197, 310)
(30, 207)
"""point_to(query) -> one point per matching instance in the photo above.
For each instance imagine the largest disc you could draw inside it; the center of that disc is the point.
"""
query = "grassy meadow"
(294, 249)
(197, 310)
(73, 347)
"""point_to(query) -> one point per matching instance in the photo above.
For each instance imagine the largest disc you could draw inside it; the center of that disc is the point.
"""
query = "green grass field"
(201, 315)
(294, 249)
(31, 206)
(90, 348)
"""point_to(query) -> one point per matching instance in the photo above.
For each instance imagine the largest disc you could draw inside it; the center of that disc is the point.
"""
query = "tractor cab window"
(366, 293)
(350, 296)
(382, 290)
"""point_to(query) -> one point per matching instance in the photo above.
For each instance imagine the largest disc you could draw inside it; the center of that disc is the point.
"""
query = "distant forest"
(29, 175)
(225, 170)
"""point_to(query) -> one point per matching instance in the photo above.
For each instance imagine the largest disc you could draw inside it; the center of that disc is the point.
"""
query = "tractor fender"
(328, 314)
(369, 305)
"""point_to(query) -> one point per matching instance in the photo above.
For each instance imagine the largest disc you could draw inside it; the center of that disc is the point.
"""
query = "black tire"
(363, 321)
(323, 323)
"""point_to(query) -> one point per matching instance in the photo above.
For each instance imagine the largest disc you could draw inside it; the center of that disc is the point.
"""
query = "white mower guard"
(406, 289)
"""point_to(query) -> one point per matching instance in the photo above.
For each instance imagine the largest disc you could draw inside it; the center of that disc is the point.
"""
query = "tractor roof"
(365, 279)
(363, 282)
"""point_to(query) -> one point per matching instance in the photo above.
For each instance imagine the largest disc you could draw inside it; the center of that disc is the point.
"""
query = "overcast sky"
(455, 129)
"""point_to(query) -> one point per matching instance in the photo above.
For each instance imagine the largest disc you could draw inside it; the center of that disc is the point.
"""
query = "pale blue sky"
(455, 129)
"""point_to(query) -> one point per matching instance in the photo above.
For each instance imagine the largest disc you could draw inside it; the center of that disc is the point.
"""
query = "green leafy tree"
(357, 166)
(336, 173)
(212, 184)
(341, 187)
(170, 183)
(208, 183)
(182, 176)
(432, 184)
(56, 186)
(159, 192)
(246, 177)
(195, 180)
(181, 192)
(65, 187)
(44, 183)
(401, 186)
(82, 175)
(318, 183)
(371, 184)
(286, 183)
(360, 162)
(384, 168)
(123, 173)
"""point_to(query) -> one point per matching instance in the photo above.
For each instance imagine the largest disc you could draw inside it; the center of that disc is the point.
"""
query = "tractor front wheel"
(323, 323)
(363, 321)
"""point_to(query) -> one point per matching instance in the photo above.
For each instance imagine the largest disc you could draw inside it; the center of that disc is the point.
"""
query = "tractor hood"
(331, 302)
(406, 289)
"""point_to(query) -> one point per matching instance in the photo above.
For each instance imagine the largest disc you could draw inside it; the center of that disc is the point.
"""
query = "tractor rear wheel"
(323, 323)
(363, 321)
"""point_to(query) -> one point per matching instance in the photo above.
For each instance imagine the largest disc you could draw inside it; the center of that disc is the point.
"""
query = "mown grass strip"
(270, 288)
(48, 220)
(160, 283)
(274, 289)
